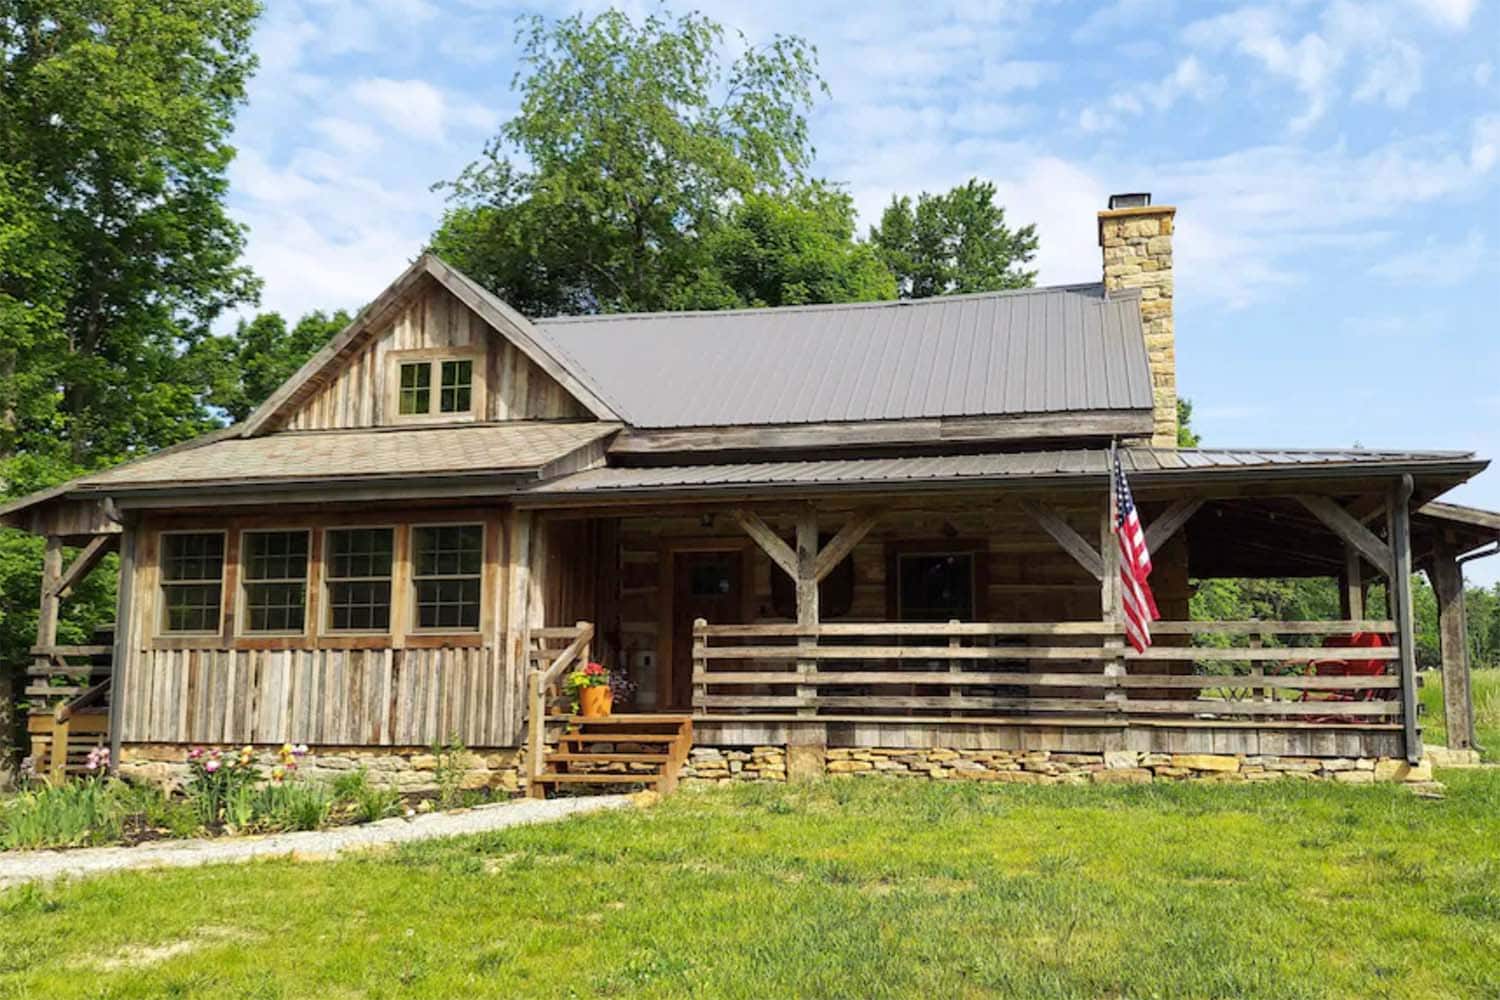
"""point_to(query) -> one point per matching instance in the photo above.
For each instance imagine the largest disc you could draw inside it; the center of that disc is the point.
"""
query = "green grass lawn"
(864, 888)
(1485, 688)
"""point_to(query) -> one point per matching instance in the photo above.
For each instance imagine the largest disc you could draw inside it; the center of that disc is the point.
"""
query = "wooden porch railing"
(548, 665)
(62, 738)
(1057, 672)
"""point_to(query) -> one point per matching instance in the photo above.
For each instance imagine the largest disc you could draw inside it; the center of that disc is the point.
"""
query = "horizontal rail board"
(1253, 627)
(913, 677)
(965, 703)
(911, 628)
(1118, 722)
(1080, 628)
(1274, 654)
(1204, 706)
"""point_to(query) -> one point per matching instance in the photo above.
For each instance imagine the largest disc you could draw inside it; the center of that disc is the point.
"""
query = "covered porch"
(986, 615)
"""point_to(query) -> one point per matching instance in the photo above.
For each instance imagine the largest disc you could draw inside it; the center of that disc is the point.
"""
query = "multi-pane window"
(416, 389)
(447, 563)
(275, 567)
(456, 388)
(358, 571)
(192, 574)
(429, 387)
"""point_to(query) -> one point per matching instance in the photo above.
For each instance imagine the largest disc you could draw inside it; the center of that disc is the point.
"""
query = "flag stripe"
(1136, 600)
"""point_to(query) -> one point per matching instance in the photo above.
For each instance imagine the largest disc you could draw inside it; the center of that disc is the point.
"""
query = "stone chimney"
(1136, 237)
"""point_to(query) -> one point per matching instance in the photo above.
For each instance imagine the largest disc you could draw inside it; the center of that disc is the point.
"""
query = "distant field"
(857, 888)
(1486, 690)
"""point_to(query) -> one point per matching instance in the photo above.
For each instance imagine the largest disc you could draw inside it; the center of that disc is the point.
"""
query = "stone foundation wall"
(708, 765)
(408, 769)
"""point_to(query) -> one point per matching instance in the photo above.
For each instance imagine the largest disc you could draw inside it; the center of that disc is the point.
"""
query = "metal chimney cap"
(1138, 199)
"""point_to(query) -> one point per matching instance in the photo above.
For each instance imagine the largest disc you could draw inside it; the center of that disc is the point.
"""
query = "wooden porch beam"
(1169, 522)
(1062, 532)
(1352, 587)
(1349, 528)
(86, 560)
(52, 564)
(780, 552)
(840, 545)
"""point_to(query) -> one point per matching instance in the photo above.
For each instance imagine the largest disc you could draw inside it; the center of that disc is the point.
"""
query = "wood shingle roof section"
(511, 448)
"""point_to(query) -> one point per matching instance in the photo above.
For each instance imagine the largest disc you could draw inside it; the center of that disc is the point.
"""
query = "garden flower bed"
(228, 794)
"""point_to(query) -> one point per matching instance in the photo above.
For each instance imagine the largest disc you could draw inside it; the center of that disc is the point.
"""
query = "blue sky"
(1336, 168)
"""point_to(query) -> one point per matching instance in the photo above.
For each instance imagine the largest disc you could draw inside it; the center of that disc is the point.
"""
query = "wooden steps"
(617, 750)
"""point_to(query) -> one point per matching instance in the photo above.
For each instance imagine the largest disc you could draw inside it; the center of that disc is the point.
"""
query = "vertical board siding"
(328, 697)
(356, 393)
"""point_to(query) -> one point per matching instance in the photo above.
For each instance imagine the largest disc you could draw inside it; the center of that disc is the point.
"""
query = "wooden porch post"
(1453, 640)
(1109, 599)
(807, 599)
(1351, 586)
(119, 660)
(1398, 519)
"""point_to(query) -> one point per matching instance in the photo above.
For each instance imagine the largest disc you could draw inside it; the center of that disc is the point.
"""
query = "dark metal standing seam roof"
(1044, 350)
(1080, 462)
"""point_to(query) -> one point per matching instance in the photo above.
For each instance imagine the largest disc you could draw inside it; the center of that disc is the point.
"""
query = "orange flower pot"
(595, 702)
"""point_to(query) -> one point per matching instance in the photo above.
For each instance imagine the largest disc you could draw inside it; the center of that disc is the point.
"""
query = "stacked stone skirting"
(410, 770)
(1042, 767)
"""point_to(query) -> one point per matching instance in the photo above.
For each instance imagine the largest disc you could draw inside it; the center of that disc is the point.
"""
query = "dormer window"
(435, 386)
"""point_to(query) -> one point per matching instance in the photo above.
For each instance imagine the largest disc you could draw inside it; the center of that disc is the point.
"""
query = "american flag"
(1135, 563)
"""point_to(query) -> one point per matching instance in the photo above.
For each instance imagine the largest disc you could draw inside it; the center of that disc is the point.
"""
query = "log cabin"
(860, 538)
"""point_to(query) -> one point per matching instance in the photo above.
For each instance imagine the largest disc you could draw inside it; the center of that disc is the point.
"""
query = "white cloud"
(1448, 13)
(1188, 80)
(1485, 151)
(351, 136)
(1016, 74)
(417, 108)
(1437, 264)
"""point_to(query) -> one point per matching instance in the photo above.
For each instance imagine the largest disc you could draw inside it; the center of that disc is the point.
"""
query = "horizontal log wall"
(327, 697)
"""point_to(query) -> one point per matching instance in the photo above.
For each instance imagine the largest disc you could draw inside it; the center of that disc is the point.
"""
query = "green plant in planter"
(592, 675)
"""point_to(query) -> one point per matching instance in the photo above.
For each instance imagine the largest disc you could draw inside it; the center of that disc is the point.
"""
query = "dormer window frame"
(437, 391)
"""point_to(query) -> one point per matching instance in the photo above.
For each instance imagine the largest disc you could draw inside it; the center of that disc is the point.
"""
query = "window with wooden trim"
(416, 389)
(192, 581)
(456, 390)
(357, 571)
(447, 569)
(453, 379)
(275, 580)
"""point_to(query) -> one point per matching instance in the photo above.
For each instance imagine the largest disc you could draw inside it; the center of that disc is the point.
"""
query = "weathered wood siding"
(1025, 576)
(328, 697)
(508, 385)
(404, 688)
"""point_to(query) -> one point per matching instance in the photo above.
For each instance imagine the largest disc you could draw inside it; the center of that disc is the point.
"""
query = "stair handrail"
(57, 753)
(538, 682)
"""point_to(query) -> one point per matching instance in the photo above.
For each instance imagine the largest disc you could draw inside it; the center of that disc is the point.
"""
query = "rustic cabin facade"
(853, 538)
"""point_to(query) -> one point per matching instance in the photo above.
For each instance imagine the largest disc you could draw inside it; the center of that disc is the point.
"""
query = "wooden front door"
(705, 585)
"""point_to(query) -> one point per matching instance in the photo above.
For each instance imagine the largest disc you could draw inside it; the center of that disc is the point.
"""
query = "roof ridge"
(1074, 287)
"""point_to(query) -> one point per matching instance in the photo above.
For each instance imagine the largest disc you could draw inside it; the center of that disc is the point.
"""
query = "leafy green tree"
(1186, 436)
(633, 141)
(116, 251)
(785, 251)
(245, 367)
(954, 243)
